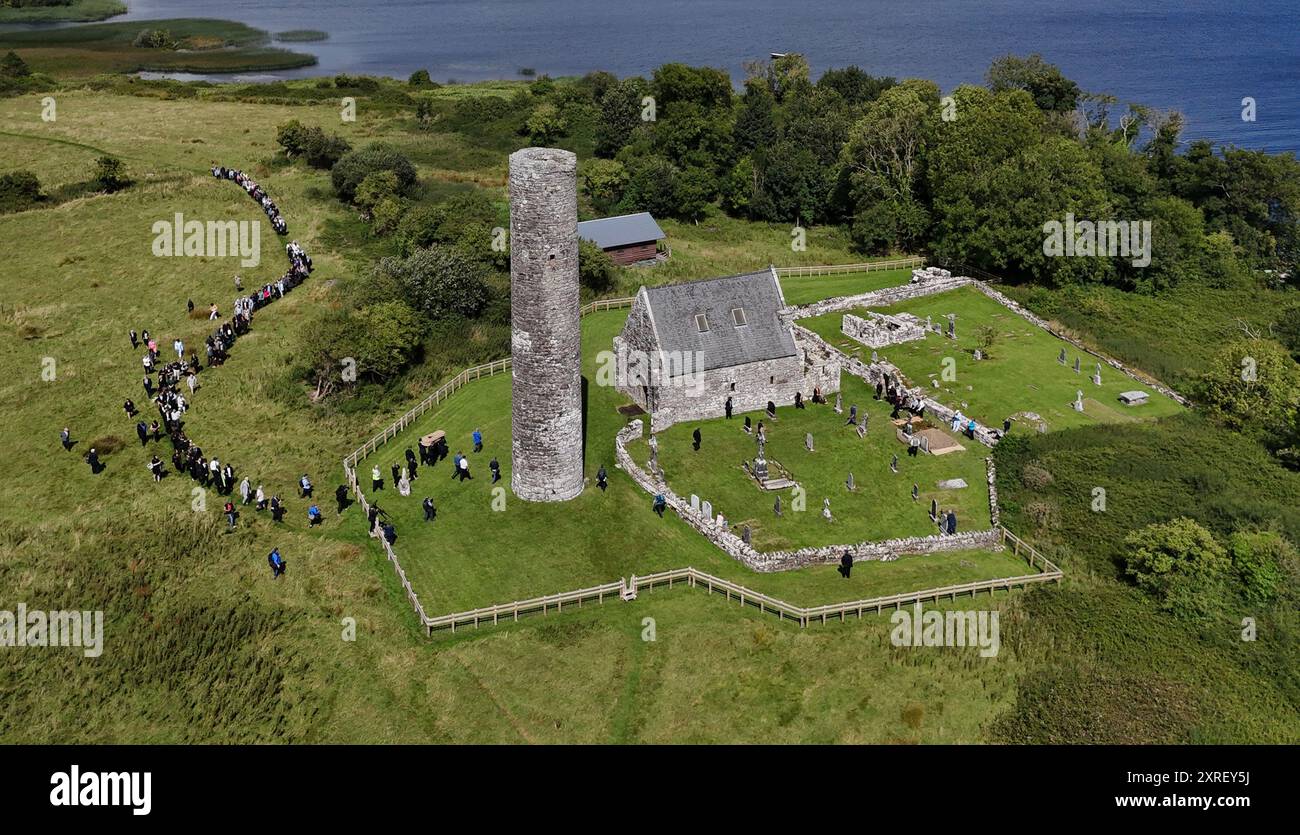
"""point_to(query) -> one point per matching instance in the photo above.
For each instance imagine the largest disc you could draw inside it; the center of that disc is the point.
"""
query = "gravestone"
(1077, 405)
(916, 492)
(952, 325)
(1077, 365)
(934, 382)
(934, 510)
(979, 355)
(952, 484)
(745, 534)
(760, 468)
(808, 441)
(862, 430)
(925, 444)
(929, 324)
(776, 506)
(826, 510)
(893, 464)
(721, 522)
(839, 403)
(695, 503)
(849, 482)
(1062, 358)
(875, 357)
(706, 509)
(1096, 375)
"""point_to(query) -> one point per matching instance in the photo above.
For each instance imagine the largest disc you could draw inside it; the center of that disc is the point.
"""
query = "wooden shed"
(628, 239)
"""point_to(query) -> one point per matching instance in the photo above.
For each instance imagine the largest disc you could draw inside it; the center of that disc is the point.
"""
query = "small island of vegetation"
(58, 11)
(301, 35)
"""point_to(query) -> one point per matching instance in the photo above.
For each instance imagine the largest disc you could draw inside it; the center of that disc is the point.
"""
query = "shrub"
(12, 66)
(1258, 559)
(1036, 477)
(595, 268)
(439, 282)
(354, 166)
(19, 190)
(419, 78)
(1180, 564)
(110, 175)
(153, 39)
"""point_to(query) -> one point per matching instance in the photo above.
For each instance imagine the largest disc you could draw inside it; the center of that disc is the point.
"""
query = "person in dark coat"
(65, 438)
(397, 474)
(411, 465)
(142, 429)
(660, 504)
(277, 509)
(695, 436)
(390, 533)
(496, 469)
(135, 341)
(846, 564)
(341, 496)
(602, 480)
(92, 458)
(798, 400)
(429, 510)
(728, 408)
(129, 408)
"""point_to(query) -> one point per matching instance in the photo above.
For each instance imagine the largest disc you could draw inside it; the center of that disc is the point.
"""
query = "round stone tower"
(545, 339)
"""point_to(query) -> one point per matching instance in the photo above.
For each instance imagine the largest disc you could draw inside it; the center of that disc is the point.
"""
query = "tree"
(354, 166)
(419, 78)
(465, 220)
(12, 66)
(651, 186)
(620, 114)
(292, 136)
(603, 181)
(323, 151)
(705, 86)
(1253, 386)
(596, 269)
(438, 282)
(544, 125)
(756, 126)
(110, 175)
(1052, 91)
(854, 85)
(985, 337)
(377, 186)
(378, 340)
(1180, 564)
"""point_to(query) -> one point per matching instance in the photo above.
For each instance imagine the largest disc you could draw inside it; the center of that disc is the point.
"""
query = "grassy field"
(1021, 372)
(814, 288)
(76, 11)
(202, 646)
(206, 46)
(880, 507)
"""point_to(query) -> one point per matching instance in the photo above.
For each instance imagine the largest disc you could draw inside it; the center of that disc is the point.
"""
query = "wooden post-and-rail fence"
(832, 269)
(628, 590)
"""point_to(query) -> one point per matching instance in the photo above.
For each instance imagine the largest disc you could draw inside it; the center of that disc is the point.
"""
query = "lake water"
(1195, 56)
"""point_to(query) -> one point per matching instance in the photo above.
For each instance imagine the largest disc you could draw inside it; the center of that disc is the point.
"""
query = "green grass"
(301, 35)
(468, 556)
(1021, 373)
(210, 46)
(799, 290)
(880, 508)
(77, 11)
(201, 646)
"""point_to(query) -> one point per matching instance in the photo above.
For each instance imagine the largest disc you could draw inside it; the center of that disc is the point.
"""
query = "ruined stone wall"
(878, 330)
(545, 339)
(735, 547)
(876, 298)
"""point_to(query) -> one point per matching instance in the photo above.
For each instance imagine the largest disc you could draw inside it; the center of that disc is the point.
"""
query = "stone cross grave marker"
(1096, 375)
(1077, 405)
(952, 325)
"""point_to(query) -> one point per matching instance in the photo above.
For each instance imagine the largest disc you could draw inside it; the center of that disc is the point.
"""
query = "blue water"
(1195, 56)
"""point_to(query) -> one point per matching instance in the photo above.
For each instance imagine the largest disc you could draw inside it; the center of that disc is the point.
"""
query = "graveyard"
(1020, 374)
(802, 289)
(479, 552)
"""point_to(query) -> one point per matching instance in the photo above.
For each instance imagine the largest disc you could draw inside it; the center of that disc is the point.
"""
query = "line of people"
(254, 191)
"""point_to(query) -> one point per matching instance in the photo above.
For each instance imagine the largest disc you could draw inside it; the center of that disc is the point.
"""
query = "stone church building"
(687, 347)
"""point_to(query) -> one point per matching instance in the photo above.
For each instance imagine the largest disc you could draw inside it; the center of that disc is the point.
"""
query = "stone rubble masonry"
(545, 338)
(877, 298)
(772, 561)
(703, 395)
(879, 330)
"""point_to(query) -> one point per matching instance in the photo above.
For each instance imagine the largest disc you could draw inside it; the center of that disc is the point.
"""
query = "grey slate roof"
(673, 308)
(609, 232)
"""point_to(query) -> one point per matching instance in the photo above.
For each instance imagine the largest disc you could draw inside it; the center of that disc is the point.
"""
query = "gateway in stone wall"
(688, 347)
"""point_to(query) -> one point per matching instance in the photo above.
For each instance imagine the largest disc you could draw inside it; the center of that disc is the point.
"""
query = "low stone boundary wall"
(772, 561)
(877, 298)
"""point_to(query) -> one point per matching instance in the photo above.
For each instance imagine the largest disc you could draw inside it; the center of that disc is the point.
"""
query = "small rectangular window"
(738, 317)
(702, 322)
